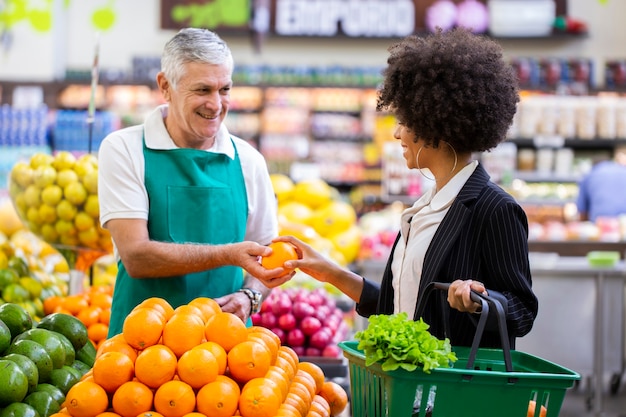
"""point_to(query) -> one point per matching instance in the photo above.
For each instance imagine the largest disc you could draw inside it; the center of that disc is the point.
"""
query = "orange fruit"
(143, 327)
(248, 360)
(86, 399)
(269, 342)
(105, 316)
(320, 404)
(112, 369)
(336, 397)
(286, 366)
(301, 391)
(315, 371)
(182, 332)
(89, 315)
(218, 352)
(219, 398)
(288, 350)
(189, 309)
(51, 304)
(288, 410)
(174, 399)
(100, 299)
(97, 332)
(297, 402)
(281, 253)
(74, 303)
(160, 304)
(132, 398)
(260, 397)
(280, 377)
(117, 343)
(107, 414)
(225, 329)
(155, 365)
(197, 367)
(266, 331)
(307, 380)
(151, 413)
(207, 305)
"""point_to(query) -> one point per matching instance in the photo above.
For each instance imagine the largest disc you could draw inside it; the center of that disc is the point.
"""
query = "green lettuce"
(397, 342)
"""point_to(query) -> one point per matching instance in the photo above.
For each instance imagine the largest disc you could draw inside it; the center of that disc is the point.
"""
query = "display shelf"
(590, 144)
(576, 248)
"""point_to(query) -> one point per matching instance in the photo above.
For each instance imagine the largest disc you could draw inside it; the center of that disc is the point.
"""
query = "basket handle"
(486, 303)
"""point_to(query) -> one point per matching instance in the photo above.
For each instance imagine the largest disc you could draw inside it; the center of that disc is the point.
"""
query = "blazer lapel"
(451, 226)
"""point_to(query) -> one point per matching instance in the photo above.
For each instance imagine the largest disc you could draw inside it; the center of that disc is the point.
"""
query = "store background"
(33, 57)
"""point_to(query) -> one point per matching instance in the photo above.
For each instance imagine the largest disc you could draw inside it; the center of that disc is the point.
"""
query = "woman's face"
(410, 146)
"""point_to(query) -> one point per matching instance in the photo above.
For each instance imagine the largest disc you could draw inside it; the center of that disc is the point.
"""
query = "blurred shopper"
(188, 205)
(453, 95)
(600, 192)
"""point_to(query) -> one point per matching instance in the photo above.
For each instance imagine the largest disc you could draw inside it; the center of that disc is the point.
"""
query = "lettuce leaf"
(395, 342)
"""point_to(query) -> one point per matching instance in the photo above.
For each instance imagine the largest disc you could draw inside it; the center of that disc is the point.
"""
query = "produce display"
(308, 321)
(57, 198)
(198, 359)
(40, 361)
(313, 211)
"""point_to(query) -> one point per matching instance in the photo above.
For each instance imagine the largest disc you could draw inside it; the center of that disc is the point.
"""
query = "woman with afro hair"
(453, 95)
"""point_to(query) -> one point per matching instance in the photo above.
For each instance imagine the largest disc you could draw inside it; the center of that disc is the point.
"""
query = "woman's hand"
(459, 295)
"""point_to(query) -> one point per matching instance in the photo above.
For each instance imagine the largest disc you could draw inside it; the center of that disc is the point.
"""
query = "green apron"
(194, 196)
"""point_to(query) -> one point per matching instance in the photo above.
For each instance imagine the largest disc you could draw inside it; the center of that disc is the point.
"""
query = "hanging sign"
(353, 18)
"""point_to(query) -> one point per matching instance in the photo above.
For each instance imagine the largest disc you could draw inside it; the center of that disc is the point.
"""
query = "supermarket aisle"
(576, 405)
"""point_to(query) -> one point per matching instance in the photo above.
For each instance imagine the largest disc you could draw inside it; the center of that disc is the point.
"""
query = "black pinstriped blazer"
(484, 236)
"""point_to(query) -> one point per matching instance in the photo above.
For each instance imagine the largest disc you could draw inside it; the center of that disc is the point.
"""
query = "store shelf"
(576, 248)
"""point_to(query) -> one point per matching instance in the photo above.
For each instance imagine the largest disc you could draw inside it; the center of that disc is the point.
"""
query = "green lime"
(5, 337)
(16, 318)
(19, 410)
(43, 403)
(54, 391)
(81, 367)
(87, 354)
(70, 353)
(19, 265)
(36, 353)
(27, 366)
(64, 378)
(15, 293)
(68, 325)
(8, 276)
(50, 341)
(13, 382)
(32, 285)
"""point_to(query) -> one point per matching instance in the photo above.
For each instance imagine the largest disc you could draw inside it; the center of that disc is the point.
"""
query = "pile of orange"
(197, 360)
(92, 307)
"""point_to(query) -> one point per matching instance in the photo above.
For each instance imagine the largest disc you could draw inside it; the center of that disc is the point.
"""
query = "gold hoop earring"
(417, 162)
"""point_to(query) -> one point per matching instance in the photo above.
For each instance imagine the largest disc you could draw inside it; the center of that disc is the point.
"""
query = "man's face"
(198, 105)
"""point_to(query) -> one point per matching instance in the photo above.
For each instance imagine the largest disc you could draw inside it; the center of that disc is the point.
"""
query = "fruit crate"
(481, 383)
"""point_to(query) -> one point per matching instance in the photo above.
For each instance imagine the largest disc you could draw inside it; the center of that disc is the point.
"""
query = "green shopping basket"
(481, 383)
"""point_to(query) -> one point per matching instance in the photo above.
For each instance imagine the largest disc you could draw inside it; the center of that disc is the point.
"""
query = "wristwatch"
(255, 299)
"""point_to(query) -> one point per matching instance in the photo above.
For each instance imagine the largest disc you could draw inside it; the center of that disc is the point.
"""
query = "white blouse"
(418, 226)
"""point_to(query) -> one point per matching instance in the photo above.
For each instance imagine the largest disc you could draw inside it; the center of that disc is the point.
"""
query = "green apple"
(64, 160)
(66, 211)
(49, 233)
(32, 196)
(47, 213)
(83, 221)
(66, 177)
(52, 194)
(92, 206)
(39, 159)
(22, 174)
(44, 175)
(90, 181)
